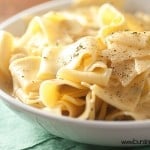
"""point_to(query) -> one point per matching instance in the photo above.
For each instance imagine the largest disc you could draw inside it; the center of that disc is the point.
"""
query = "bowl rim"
(20, 105)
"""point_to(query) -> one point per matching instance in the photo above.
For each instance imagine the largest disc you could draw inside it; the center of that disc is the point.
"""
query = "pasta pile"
(90, 62)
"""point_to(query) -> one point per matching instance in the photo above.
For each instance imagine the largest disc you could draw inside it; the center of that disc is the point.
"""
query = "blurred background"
(11, 7)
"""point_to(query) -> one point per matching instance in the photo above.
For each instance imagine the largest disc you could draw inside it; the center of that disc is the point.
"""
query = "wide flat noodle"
(129, 54)
(62, 29)
(144, 19)
(86, 76)
(80, 54)
(6, 49)
(24, 74)
(111, 20)
(133, 23)
(51, 91)
(142, 64)
(127, 45)
(97, 66)
(123, 98)
(143, 106)
(31, 98)
(125, 71)
(49, 63)
(130, 38)
(35, 38)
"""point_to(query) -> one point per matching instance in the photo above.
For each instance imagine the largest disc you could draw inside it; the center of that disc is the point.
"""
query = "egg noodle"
(90, 61)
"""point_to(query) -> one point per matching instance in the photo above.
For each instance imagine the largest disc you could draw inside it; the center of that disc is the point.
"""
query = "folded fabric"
(19, 134)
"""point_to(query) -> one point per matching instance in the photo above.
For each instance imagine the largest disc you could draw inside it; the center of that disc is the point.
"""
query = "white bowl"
(92, 132)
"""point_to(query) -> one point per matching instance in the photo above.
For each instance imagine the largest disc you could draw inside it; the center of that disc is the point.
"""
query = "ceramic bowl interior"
(91, 132)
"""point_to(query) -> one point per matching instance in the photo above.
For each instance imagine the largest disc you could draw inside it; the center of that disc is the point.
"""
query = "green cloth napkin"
(19, 134)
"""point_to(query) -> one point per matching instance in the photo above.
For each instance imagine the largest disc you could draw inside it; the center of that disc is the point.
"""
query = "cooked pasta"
(90, 62)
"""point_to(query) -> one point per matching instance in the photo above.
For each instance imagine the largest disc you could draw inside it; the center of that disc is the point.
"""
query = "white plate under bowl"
(106, 133)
